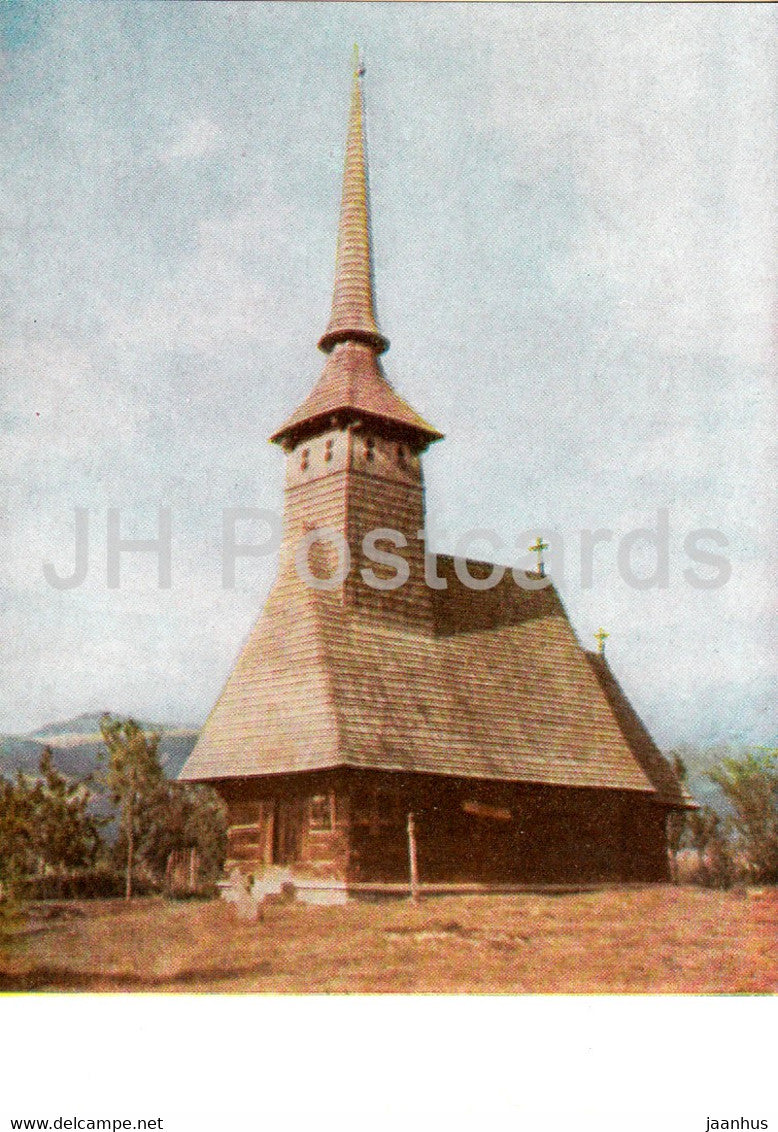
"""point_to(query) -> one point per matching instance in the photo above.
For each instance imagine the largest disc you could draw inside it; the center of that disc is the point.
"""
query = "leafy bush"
(179, 817)
(51, 843)
(750, 785)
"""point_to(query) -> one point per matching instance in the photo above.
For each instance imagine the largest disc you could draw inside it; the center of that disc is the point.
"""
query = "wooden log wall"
(502, 833)
(289, 821)
(352, 825)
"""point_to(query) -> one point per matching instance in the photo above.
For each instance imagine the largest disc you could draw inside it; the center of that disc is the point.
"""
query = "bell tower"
(353, 448)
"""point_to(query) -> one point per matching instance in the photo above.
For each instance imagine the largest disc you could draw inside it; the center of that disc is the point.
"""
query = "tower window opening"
(305, 459)
(328, 450)
(401, 455)
(370, 449)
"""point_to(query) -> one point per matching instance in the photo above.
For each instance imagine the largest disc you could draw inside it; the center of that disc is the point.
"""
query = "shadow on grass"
(62, 979)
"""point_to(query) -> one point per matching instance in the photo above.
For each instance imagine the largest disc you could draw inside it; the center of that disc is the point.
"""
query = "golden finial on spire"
(359, 62)
(601, 637)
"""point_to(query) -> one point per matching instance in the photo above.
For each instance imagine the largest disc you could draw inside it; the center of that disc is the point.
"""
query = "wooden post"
(412, 858)
(192, 869)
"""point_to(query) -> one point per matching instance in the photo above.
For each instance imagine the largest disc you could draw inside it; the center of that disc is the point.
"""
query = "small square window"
(320, 811)
(305, 459)
(328, 450)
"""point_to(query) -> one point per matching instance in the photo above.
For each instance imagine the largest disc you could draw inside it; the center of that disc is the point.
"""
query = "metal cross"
(601, 636)
(538, 549)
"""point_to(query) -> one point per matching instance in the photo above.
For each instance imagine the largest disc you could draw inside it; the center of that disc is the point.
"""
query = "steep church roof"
(643, 747)
(318, 686)
(353, 384)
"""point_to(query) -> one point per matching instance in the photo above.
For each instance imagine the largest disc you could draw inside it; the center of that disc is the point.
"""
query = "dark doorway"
(286, 831)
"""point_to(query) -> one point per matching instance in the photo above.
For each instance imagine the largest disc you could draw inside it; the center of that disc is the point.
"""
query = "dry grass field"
(650, 940)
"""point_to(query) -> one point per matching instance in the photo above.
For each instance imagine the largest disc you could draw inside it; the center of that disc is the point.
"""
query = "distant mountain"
(75, 745)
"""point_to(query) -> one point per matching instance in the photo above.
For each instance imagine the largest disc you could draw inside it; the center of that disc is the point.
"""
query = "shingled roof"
(353, 307)
(480, 684)
(320, 686)
(643, 747)
(353, 385)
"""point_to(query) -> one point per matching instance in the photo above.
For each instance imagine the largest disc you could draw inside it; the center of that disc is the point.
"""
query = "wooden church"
(378, 737)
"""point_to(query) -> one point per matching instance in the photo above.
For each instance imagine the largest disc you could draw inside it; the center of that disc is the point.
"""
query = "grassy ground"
(657, 939)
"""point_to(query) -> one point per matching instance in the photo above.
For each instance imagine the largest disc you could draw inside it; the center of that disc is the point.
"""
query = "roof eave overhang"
(344, 416)
(461, 774)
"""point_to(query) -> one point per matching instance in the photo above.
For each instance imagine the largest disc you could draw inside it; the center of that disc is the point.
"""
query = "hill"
(76, 742)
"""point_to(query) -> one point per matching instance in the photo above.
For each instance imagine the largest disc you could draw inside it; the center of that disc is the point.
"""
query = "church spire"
(353, 317)
(352, 389)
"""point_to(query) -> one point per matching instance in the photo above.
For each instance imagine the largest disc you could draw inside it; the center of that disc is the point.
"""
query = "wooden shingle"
(319, 685)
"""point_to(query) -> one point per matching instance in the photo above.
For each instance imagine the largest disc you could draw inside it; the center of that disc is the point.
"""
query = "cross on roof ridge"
(601, 637)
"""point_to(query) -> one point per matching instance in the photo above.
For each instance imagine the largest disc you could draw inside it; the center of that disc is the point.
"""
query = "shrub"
(750, 785)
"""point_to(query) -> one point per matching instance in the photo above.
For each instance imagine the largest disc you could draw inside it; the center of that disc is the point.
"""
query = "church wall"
(351, 826)
(503, 833)
(318, 457)
(554, 835)
(645, 840)
(320, 502)
(296, 822)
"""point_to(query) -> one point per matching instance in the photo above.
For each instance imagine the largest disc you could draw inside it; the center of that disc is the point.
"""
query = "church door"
(286, 831)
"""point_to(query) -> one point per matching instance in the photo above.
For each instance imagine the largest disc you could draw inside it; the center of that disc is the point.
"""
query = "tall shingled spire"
(353, 316)
(353, 388)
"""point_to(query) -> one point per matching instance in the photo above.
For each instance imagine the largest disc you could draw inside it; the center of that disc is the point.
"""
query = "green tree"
(183, 816)
(16, 851)
(750, 785)
(132, 775)
(64, 833)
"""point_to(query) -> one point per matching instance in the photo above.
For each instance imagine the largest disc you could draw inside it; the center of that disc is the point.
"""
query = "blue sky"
(575, 265)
